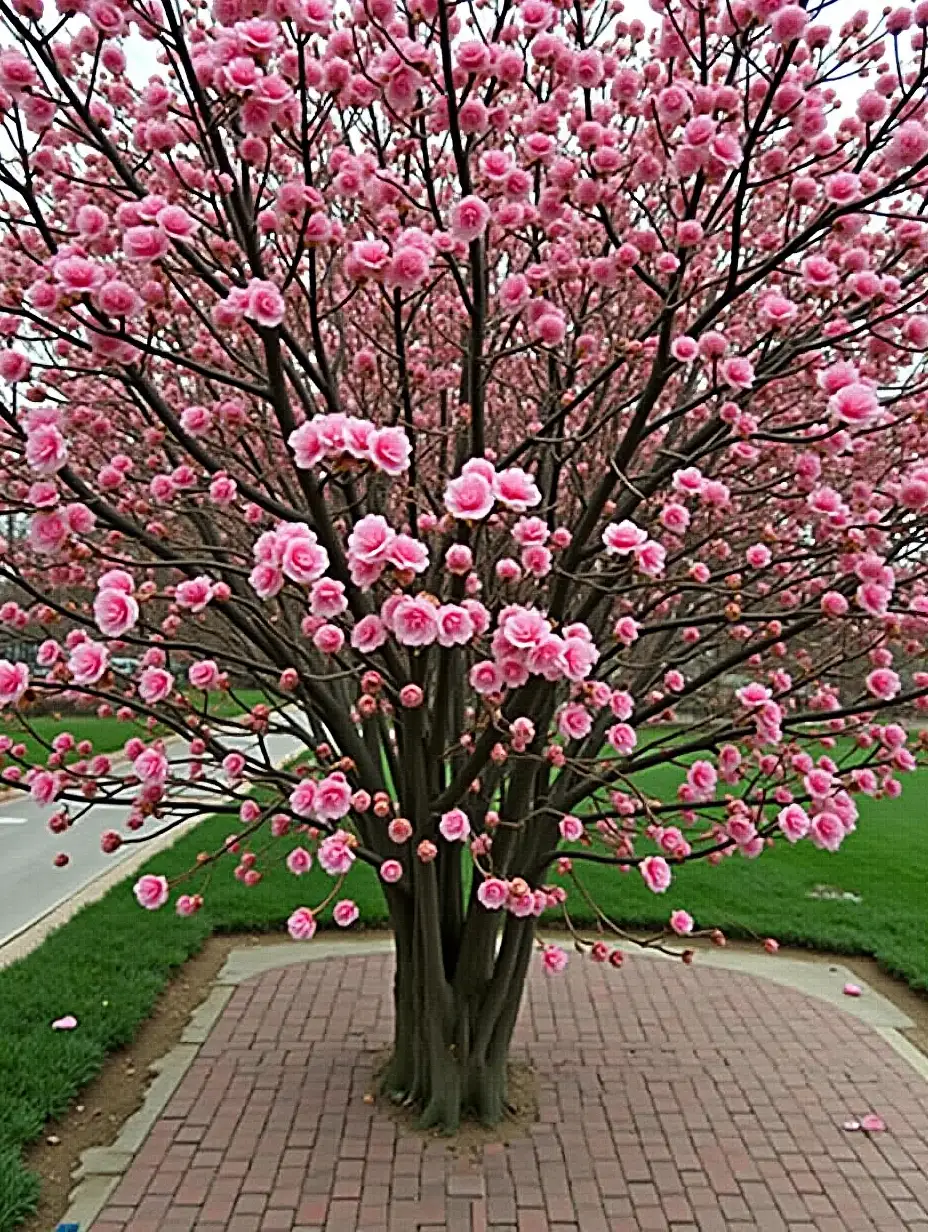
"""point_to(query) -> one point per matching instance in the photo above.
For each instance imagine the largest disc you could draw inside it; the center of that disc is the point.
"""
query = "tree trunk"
(453, 1027)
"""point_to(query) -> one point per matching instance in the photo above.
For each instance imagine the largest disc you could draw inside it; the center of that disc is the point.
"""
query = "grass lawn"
(107, 735)
(108, 965)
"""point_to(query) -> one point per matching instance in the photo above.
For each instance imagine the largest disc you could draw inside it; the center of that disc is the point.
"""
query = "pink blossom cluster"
(344, 438)
(524, 644)
(517, 897)
(291, 552)
(473, 494)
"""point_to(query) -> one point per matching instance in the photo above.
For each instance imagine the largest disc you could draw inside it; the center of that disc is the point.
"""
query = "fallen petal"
(68, 1023)
(852, 990)
(872, 1124)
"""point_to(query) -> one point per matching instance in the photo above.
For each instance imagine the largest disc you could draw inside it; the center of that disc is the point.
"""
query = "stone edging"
(101, 1168)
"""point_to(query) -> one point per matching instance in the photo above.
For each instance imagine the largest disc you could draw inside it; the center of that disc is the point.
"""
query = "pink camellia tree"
(487, 383)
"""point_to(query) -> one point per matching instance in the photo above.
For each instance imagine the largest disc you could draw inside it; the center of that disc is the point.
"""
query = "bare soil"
(472, 1137)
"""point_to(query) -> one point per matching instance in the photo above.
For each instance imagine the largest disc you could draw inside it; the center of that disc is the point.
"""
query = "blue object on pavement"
(68, 1227)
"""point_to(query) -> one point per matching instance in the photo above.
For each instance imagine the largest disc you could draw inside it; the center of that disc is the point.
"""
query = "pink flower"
(470, 497)
(794, 822)
(88, 662)
(265, 304)
(454, 826)
(303, 559)
(118, 299)
(368, 634)
(681, 922)
(154, 685)
(789, 23)
(176, 223)
(327, 598)
(455, 625)
(151, 892)
(203, 675)
(884, 684)
(151, 766)
(656, 873)
(46, 450)
(391, 871)
(307, 446)
(625, 630)
(408, 269)
(333, 797)
(345, 912)
(827, 831)
(299, 861)
(516, 489)
(14, 681)
(623, 738)
(144, 244)
(553, 959)
(367, 259)
(650, 558)
(818, 273)
(514, 292)
(854, 404)
(390, 450)
(44, 787)
(408, 554)
(485, 677)
(400, 830)
(370, 540)
(194, 593)
(550, 327)
(302, 924)
(266, 580)
(415, 622)
(328, 639)
(575, 721)
(492, 893)
(702, 777)
(303, 798)
(14, 366)
(335, 854)
(571, 829)
(621, 538)
(469, 219)
(737, 372)
(908, 146)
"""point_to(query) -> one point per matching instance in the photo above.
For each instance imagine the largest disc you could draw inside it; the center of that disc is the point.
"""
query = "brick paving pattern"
(670, 1098)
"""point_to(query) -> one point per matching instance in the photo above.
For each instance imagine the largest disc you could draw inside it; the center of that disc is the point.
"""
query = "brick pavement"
(670, 1098)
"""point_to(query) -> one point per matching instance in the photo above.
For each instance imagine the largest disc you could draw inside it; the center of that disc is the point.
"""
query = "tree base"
(506, 1108)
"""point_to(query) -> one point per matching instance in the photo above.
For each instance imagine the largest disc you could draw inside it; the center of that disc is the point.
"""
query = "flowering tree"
(488, 382)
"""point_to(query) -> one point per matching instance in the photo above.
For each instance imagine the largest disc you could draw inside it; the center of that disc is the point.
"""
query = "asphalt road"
(30, 885)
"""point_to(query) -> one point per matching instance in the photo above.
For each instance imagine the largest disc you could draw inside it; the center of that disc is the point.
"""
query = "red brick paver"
(671, 1098)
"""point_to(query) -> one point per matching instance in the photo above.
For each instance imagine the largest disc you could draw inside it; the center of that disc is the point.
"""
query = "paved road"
(30, 886)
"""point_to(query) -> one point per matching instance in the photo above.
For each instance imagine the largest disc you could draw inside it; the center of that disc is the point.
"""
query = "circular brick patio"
(672, 1098)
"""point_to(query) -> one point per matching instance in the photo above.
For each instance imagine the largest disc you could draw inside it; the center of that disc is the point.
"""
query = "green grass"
(108, 965)
(107, 735)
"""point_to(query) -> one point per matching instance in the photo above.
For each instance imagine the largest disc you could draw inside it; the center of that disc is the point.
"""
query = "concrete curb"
(101, 1168)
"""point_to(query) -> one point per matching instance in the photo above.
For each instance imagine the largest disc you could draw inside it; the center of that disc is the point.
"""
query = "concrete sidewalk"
(689, 1099)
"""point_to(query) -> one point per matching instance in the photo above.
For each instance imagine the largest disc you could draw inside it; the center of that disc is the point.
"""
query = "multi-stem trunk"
(455, 1013)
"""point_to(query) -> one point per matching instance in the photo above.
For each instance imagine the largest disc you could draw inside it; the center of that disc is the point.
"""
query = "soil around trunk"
(520, 1114)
